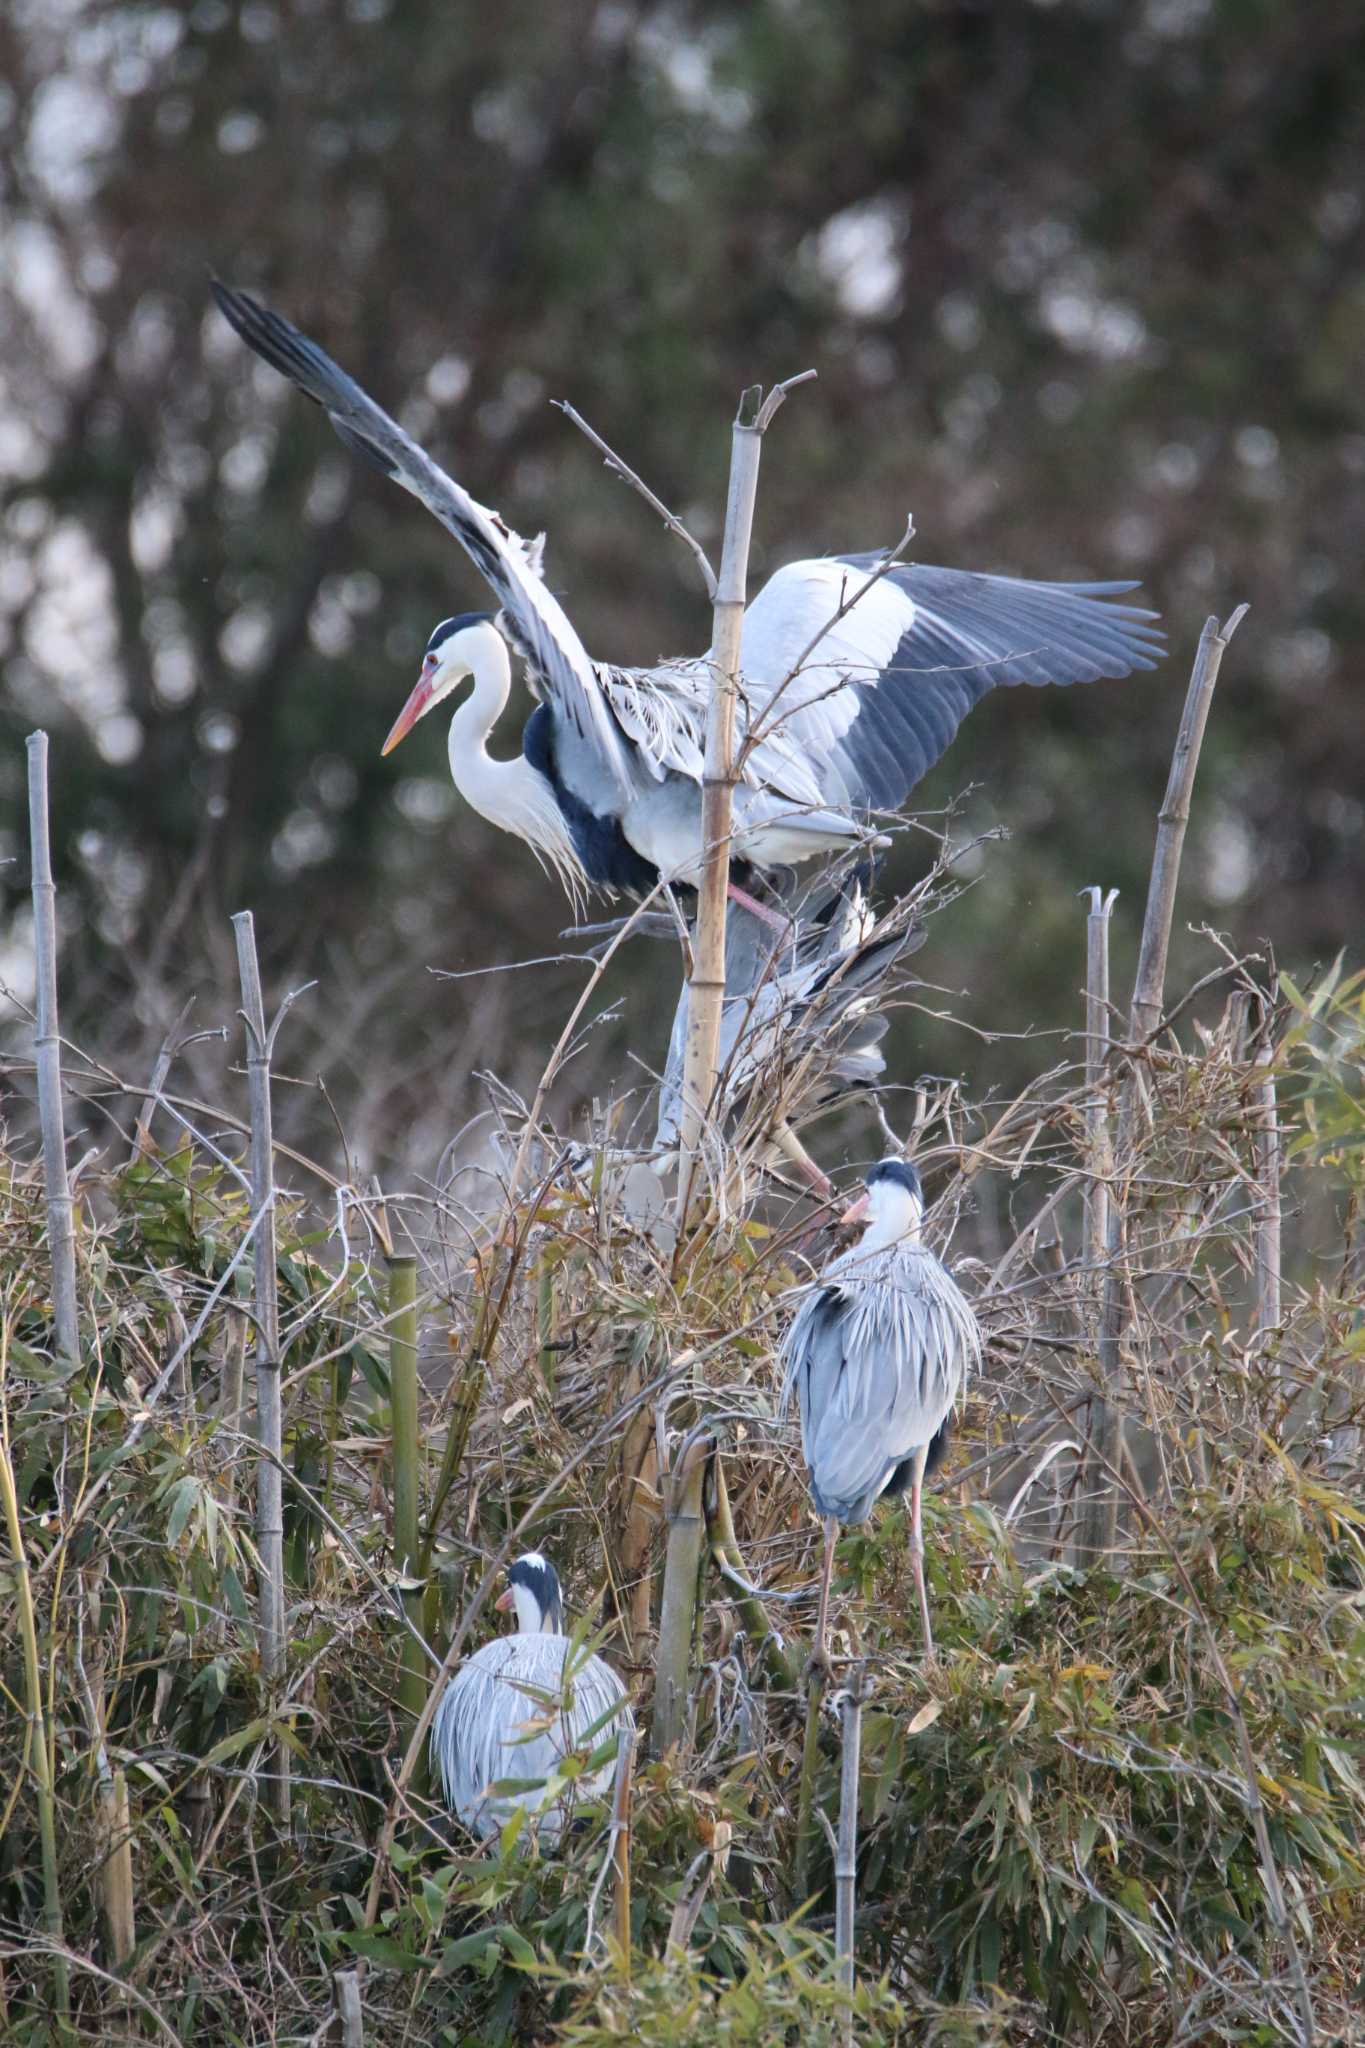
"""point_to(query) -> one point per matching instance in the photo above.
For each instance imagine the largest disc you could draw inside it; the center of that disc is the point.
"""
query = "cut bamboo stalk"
(47, 1059)
(407, 1451)
(677, 1615)
(1149, 984)
(816, 1682)
(117, 1849)
(1266, 1241)
(706, 984)
(620, 1845)
(350, 2013)
(846, 1857)
(1096, 1055)
(37, 1745)
(1098, 1530)
(269, 1415)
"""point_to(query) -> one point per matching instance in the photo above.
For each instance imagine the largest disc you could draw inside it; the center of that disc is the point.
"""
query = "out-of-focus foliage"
(1083, 285)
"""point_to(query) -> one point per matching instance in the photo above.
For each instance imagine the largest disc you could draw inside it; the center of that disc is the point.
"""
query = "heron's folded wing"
(875, 696)
(532, 615)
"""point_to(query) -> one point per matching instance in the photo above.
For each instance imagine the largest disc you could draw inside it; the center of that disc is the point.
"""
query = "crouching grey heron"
(877, 1354)
(853, 680)
(519, 1706)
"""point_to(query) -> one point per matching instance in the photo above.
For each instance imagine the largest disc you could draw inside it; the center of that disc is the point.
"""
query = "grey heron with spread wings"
(853, 681)
(877, 1354)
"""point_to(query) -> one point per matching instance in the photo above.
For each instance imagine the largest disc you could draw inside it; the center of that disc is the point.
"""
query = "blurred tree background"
(1082, 282)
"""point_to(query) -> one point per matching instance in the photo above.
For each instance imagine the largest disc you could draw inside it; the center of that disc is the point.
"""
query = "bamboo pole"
(1266, 1236)
(1096, 1054)
(1098, 1531)
(677, 1614)
(47, 1058)
(706, 984)
(269, 1415)
(846, 1856)
(37, 1745)
(407, 1451)
(817, 1680)
(620, 1845)
(1150, 981)
(349, 2011)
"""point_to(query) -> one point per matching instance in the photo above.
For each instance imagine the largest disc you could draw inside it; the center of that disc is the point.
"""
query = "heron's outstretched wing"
(532, 616)
(875, 696)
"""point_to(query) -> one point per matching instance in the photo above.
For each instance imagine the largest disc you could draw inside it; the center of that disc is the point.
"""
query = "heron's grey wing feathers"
(877, 695)
(483, 1730)
(531, 614)
(877, 1354)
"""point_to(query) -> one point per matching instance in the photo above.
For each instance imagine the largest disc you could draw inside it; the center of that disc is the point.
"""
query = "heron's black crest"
(456, 625)
(541, 1579)
(901, 1172)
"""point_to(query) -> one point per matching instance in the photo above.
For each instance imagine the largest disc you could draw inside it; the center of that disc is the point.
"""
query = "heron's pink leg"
(790, 1146)
(822, 1623)
(917, 1546)
(750, 903)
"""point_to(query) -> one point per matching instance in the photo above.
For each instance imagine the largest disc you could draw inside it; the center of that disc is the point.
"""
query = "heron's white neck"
(510, 794)
(532, 1620)
(894, 1217)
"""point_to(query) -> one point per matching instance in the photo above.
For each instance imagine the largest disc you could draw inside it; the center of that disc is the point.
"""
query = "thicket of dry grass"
(1126, 1804)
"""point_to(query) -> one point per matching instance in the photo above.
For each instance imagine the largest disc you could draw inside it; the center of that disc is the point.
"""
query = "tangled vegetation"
(1126, 1803)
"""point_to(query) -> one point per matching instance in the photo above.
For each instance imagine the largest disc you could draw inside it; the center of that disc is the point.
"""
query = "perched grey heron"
(877, 1354)
(854, 680)
(521, 1704)
(800, 1026)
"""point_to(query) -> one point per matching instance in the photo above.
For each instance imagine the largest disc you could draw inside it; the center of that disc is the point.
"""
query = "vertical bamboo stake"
(47, 1055)
(37, 1750)
(412, 1686)
(1099, 1506)
(269, 1414)
(620, 1845)
(817, 1680)
(350, 2013)
(682, 1561)
(706, 985)
(1266, 1165)
(1150, 981)
(1096, 1053)
(846, 1857)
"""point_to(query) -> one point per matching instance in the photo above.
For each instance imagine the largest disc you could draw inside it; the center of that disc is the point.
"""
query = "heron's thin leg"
(790, 1146)
(750, 903)
(822, 1623)
(917, 1546)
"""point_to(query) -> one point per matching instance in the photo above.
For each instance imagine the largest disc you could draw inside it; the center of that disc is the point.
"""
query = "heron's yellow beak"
(505, 1602)
(857, 1211)
(418, 704)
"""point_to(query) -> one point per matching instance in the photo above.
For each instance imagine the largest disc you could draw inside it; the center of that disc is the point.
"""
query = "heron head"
(533, 1593)
(452, 654)
(893, 1206)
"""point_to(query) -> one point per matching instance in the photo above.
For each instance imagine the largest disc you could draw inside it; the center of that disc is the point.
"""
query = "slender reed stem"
(407, 1457)
(47, 1053)
(37, 1746)
(846, 1858)
(817, 1680)
(269, 1416)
